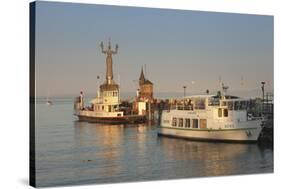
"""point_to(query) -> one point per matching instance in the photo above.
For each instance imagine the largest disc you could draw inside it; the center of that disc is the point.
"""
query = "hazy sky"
(177, 46)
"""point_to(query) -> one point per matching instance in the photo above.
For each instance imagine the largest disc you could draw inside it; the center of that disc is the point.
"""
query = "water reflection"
(111, 148)
(214, 158)
(97, 146)
(135, 150)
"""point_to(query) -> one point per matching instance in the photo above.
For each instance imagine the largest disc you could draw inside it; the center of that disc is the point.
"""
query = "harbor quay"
(152, 111)
(211, 117)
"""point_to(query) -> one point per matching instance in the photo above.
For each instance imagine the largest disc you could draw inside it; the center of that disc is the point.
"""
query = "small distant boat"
(48, 101)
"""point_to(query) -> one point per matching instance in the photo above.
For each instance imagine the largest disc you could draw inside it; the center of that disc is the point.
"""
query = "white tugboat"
(105, 108)
(212, 117)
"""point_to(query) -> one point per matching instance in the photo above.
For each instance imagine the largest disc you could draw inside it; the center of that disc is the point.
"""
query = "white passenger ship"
(210, 117)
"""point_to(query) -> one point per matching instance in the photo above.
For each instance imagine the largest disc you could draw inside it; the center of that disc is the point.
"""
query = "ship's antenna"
(224, 88)
(242, 81)
(119, 83)
(268, 83)
(220, 81)
(192, 86)
(119, 79)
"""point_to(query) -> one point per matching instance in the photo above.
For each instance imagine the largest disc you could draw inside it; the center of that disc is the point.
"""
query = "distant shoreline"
(255, 93)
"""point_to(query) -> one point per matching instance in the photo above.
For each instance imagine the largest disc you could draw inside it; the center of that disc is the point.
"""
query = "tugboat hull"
(114, 120)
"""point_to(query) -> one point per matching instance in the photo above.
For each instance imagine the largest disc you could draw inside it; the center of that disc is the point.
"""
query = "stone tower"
(145, 88)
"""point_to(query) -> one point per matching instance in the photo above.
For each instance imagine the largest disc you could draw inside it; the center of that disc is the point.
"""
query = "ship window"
(214, 101)
(243, 105)
(225, 112)
(187, 123)
(230, 105)
(102, 107)
(195, 123)
(203, 123)
(174, 123)
(236, 105)
(180, 122)
(219, 112)
(199, 104)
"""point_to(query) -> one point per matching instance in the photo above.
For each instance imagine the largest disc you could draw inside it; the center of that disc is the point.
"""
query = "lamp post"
(98, 91)
(262, 88)
(184, 88)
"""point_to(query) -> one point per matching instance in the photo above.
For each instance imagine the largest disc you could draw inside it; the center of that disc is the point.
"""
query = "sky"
(178, 48)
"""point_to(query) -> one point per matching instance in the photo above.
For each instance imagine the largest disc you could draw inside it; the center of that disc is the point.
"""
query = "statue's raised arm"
(116, 49)
(102, 49)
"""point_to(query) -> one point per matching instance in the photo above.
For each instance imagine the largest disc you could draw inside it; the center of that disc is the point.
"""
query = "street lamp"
(262, 88)
(184, 88)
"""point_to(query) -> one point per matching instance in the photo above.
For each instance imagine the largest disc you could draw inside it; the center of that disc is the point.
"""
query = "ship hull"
(227, 135)
(113, 120)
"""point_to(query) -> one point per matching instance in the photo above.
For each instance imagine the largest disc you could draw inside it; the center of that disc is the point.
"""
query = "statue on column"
(109, 53)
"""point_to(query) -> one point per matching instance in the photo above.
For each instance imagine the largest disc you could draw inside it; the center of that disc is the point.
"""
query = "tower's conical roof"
(142, 78)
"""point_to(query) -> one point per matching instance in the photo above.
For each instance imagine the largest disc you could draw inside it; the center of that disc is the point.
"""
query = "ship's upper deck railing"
(201, 102)
(188, 107)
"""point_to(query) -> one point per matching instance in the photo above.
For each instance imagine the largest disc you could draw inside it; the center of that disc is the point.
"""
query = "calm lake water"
(69, 152)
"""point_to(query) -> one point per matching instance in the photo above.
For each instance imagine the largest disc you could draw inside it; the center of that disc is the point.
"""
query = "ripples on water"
(73, 152)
